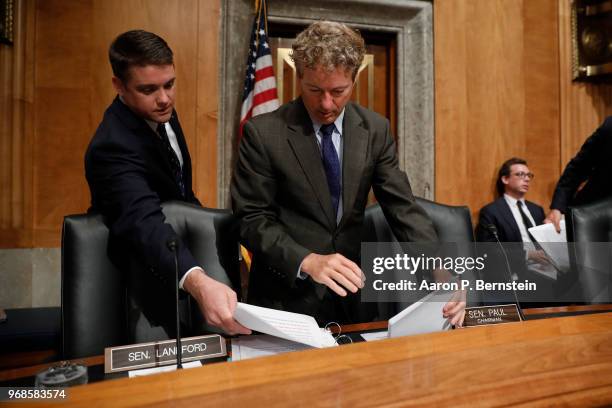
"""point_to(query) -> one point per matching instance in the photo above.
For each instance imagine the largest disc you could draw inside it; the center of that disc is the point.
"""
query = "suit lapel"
(303, 142)
(355, 141)
(535, 212)
(141, 128)
(506, 214)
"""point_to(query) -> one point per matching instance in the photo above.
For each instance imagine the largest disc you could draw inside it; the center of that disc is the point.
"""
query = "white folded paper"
(424, 316)
(552, 243)
(163, 369)
(296, 327)
(262, 345)
(373, 336)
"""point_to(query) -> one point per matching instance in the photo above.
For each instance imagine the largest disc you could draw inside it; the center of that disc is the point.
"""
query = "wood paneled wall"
(497, 95)
(584, 106)
(16, 130)
(503, 88)
(56, 86)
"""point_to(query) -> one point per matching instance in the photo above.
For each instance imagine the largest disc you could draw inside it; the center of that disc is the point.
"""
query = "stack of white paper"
(551, 242)
(373, 336)
(163, 369)
(286, 325)
(424, 316)
(246, 347)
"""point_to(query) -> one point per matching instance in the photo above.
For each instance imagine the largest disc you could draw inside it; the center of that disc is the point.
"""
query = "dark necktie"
(526, 221)
(331, 164)
(174, 161)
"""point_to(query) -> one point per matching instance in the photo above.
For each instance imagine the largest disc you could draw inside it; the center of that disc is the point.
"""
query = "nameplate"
(160, 353)
(486, 315)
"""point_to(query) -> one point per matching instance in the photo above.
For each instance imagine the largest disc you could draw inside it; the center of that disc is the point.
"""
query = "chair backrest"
(590, 222)
(589, 227)
(94, 292)
(452, 224)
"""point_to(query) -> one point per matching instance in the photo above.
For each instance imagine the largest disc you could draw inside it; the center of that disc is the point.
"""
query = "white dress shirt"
(516, 212)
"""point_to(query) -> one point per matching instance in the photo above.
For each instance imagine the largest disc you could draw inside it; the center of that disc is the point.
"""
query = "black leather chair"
(95, 304)
(453, 224)
(589, 228)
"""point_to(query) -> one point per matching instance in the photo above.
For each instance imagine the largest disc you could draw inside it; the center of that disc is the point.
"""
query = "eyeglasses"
(523, 175)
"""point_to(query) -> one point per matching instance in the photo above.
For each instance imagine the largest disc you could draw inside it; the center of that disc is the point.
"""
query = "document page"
(380, 335)
(286, 325)
(261, 345)
(424, 316)
(551, 243)
(163, 369)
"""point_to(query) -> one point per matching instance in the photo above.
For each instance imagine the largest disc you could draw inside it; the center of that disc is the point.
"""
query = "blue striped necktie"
(331, 164)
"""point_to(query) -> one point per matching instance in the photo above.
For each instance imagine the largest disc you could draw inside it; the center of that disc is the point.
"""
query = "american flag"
(259, 95)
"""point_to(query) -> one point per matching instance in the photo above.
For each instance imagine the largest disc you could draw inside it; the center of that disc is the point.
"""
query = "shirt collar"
(337, 122)
(513, 201)
(152, 125)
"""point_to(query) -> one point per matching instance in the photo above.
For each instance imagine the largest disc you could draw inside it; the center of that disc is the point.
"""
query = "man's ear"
(118, 85)
(504, 180)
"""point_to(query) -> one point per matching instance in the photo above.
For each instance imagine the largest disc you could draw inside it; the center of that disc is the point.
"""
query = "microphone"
(172, 245)
(493, 230)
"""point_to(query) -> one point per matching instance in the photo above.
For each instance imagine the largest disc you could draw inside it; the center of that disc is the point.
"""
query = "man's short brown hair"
(329, 45)
(138, 48)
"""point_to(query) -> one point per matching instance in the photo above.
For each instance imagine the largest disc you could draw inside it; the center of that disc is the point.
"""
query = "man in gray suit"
(301, 185)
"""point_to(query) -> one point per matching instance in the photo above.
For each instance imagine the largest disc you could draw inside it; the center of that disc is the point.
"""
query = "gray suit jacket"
(280, 193)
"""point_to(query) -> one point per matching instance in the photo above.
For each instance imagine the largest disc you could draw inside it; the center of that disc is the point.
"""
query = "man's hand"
(216, 300)
(554, 217)
(454, 309)
(334, 271)
(538, 256)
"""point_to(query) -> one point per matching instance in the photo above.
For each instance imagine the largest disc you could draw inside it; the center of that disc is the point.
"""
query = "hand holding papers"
(549, 239)
(286, 325)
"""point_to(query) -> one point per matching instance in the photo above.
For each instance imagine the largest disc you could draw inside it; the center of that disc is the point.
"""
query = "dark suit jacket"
(498, 213)
(280, 193)
(592, 164)
(129, 175)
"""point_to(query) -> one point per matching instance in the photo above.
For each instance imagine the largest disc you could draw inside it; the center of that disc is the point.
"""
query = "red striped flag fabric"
(259, 94)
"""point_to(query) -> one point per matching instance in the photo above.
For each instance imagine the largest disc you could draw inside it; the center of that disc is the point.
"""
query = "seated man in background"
(592, 165)
(510, 216)
(301, 185)
(136, 160)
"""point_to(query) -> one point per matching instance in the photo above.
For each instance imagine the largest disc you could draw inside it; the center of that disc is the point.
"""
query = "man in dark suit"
(137, 159)
(511, 214)
(592, 165)
(301, 184)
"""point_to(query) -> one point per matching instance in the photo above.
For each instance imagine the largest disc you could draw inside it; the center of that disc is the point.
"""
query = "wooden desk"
(560, 361)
